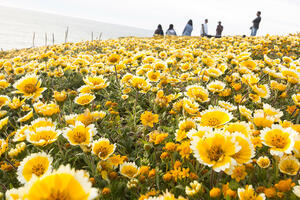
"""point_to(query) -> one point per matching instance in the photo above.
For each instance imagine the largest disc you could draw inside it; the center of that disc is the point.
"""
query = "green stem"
(276, 168)
(10, 163)
(298, 119)
(4, 187)
(116, 73)
(212, 178)
(134, 108)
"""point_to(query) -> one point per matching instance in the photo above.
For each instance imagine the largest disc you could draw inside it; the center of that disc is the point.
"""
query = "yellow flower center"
(38, 169)
(113, 60)
(62, 186)
(129, 171)
(104, 150)
(270, 112)
(85, 100)
(264, 162)
(96, 81)
(290, 169)
(79, 136)
(43, 137)
(250, 196)
(149, 118)
(217, 87)
(2, 101)
(278, 141)
(215, 153)
(187, 126)
(30, 88)
(213, 121)
(153, 76)
(199, 95)
(86, 118)
(59, 195)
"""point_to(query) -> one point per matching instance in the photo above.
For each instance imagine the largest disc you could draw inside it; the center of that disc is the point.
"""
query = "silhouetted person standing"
(187, 31)
(159, 30)
(219, 30)
(255, 22)
(171, 30)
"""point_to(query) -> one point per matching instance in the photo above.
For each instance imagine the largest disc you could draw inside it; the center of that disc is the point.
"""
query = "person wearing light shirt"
(188, 29)
(171, 30)
(204, 28)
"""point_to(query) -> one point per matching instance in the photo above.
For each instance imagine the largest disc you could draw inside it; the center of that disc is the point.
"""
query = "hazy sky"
(278, 16)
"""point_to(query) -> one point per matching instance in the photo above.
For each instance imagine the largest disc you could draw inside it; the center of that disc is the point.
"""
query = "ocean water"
(17, 27)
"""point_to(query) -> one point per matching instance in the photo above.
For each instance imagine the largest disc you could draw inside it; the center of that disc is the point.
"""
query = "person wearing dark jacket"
(159, 30)
(255, 22)
(171, 30)
(219, 30)
(187, 31)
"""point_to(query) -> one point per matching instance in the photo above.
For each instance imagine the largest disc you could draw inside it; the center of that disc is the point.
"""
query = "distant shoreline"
(19, 25)
(75, 17)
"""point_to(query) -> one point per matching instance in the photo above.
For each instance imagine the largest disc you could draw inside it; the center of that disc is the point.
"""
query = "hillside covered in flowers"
(152, 118)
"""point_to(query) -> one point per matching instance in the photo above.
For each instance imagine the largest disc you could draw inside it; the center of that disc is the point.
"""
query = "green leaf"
(233, 185)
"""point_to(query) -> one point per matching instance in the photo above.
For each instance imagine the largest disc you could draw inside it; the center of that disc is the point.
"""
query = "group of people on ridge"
(187, 31)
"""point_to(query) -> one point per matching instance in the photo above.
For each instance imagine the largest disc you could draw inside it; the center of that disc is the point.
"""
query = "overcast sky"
(278, 16)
